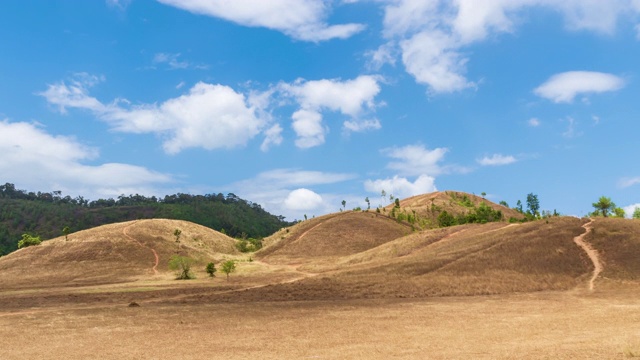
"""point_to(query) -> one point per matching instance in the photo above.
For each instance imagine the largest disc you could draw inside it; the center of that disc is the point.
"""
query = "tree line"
(47, 214)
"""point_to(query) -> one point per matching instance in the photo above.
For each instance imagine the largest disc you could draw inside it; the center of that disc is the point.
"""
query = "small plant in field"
(211, 269)
(177, 233)
(28, 240)
(228, 267)
(182, 266)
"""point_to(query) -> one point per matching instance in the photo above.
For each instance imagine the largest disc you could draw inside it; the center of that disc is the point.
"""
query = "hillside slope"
(112, 253)
(332, 236)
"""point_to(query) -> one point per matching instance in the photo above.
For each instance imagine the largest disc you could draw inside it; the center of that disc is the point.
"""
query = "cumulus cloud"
(401, 187)
(302, 19)
(208, 116)
(302, 199)
(353, 98)
(57, 163)
(280, 191)
(431, 36)
(629, 210)
(412, 160)
(497, 160)
(564, 87)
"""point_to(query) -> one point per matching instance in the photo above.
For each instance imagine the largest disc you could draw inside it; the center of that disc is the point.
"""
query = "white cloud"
(208, 116)
(308, 126)
(274, 191)
(564, 87)
(534, 122)
(627, 182)
(497, 160)
(295, 177)
(401, 187)
(301, 19)
(432, 59)
(34, 159)
(413, 160)
(302, 199)
(272, 136)
(629, 210)
(432, 35)
(362, 125)
(353, 98)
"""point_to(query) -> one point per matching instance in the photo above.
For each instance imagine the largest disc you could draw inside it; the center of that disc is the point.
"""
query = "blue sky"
(298, 105)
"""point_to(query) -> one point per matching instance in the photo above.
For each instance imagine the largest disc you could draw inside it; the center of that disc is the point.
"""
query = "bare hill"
(333, 235)
(473, 259)
(112, 253)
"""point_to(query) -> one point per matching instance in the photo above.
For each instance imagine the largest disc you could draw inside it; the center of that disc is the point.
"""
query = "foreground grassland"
(548, 325)
(354, 285)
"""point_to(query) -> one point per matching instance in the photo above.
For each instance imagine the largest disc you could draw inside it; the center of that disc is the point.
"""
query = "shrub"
(28, 240)
(182, 265)
(211, 269)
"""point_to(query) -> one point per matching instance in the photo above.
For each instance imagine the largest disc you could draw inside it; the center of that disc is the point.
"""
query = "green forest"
(46, 214)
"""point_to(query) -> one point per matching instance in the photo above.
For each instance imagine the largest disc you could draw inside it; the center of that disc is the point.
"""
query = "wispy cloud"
(173, 62)
(302, 19)
(628, 181)
(497, 160)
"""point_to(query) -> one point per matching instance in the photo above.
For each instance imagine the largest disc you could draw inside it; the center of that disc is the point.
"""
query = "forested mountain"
(46, 214)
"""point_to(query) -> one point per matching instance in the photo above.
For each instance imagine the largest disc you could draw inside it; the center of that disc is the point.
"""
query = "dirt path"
(591, 252)
(155, 254)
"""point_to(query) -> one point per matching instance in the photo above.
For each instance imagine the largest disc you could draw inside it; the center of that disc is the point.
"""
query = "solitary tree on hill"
(177, 234)
(66, 231)
(604, 206)
(368, 203)
(344, 204)
(533, 205)
(211, 269)
(636, 213)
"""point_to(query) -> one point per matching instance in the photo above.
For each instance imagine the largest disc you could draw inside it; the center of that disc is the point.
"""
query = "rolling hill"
(349, 255)
(114, 253)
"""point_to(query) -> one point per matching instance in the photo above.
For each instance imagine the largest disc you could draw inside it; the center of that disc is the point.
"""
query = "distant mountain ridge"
(46, 214)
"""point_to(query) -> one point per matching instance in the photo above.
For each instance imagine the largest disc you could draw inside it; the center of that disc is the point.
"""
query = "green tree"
(397, 203)
(483, 194)
(445, 219)
(619, 212)
(182, 265)
(28, 240)
(228, 267)
(383, 194)
(368, 203)
(177, 233)
(504, 203)
(604, 206)
(533, 205)
(211, 269)
(344, 204)
(66, 231)
(636, 213)
(519, 207)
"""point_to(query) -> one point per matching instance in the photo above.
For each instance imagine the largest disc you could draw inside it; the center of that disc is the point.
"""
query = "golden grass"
(618, 244)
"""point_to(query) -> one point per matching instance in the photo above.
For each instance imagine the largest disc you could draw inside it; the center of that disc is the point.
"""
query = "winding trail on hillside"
(155, 254)
(591, 252)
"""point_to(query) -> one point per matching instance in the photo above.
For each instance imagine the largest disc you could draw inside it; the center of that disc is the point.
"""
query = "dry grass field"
(353, 285)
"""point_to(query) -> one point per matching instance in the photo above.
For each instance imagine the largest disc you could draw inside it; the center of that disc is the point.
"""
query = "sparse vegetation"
(636, 213)
(28, 240)
(249, 245)
(182, 266)
(177, 233)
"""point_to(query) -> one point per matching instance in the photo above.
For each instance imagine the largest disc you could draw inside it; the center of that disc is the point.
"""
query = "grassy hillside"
(113, 253)
(47, 214)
